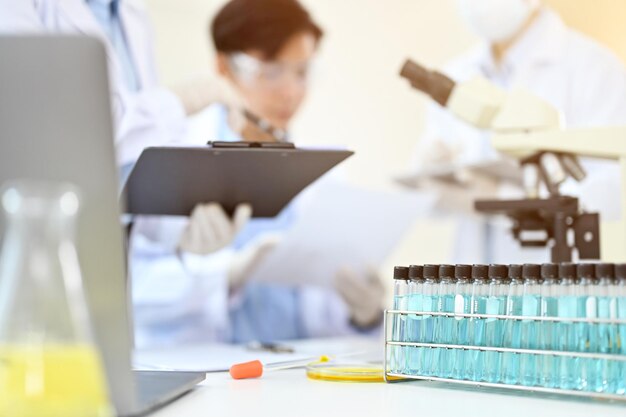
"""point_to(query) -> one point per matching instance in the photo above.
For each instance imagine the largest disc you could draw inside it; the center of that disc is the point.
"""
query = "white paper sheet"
(504, 170)
(341, 225)
(205, 358)
(220, 357)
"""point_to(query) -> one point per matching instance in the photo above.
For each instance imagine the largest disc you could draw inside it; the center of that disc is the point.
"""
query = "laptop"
(55, 124)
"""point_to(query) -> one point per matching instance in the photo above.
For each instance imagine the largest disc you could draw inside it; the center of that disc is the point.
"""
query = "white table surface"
(291, 393)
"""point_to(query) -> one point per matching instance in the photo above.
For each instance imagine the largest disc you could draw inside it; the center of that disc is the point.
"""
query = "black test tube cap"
(550, 271)
(531, 271)
(480, 271)
(620, 272)
(567, 270)
(401, 272)
(446, 271)
(431, 271)
(498, 271)
(605, 270)
(515, 271)
(585, 271)
(463, 271)
(416, 272)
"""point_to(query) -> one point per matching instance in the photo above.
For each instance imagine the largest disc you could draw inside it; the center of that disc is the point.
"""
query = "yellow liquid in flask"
(52, 381)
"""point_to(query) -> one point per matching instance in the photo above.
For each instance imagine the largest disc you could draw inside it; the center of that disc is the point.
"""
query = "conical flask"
(49, 364)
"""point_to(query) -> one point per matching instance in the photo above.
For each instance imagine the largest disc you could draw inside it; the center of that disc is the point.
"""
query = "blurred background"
(357, 98)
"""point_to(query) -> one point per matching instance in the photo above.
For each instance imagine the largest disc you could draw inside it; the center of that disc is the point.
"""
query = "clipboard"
(173, 180)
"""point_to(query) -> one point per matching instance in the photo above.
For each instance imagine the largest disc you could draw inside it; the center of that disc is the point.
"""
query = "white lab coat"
(183, 298)
(581, 78)
(150, 117)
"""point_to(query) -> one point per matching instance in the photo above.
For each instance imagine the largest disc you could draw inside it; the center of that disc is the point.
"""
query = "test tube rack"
(392, 317)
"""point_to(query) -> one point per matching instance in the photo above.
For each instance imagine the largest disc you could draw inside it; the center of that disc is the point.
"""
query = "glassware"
(49, 366)
(496, 305)
(478, 305)
(547, 336)
(400, 297)
(442, 361)
(462, 301)
(430, 301)
(531, 307)
(512, 327)
(415, 303)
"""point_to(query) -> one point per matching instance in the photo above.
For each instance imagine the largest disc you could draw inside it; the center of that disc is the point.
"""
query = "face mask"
(496, 20)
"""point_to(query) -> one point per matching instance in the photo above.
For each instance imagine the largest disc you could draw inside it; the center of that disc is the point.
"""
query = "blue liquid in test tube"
(462, 302)
(400, 292)
(512, 335)
(529, 331)
(415, 303)
(430, 301)
(496, 305)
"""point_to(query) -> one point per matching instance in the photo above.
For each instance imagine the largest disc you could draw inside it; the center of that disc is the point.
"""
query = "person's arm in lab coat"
(268, 312)
(598, 99)
(19, 16)
(176, 294)
(154, 115)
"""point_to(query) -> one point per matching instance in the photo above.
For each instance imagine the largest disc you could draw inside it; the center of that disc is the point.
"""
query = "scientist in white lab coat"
(146, 113)
(525, 44)
(265, 49)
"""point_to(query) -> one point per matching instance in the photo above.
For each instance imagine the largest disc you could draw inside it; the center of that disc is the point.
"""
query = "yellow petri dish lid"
(338, 372)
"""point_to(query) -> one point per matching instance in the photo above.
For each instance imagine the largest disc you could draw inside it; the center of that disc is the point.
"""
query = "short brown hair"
(263, 25)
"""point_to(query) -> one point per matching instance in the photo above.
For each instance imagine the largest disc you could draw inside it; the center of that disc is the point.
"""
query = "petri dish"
(339, 372)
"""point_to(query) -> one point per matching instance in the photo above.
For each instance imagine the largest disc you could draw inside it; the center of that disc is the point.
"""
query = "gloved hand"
(364, 296)
(459, 197)
(210, 229)
(252, 133)
(249, 258)
(201, 90)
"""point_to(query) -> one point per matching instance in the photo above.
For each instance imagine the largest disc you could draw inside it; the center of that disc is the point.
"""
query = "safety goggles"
(268, 74)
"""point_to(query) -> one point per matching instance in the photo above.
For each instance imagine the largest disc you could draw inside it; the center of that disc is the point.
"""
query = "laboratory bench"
(290, 392)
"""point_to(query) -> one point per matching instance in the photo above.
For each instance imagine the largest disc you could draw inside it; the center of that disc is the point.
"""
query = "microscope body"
(529, 129)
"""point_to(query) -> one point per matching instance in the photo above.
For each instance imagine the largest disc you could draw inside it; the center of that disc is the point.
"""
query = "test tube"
(586, 308)
(510, 360)
(605, 333)
(444, 325)
(620, 347)
(476, 329)
(496, 305)
(415, 303)
(462, 300)
(400, 292)
(547, 334)
(529, 329)
(430, 303)
(567, 369)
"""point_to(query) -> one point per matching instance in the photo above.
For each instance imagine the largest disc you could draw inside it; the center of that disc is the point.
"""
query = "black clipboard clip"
(243, 144)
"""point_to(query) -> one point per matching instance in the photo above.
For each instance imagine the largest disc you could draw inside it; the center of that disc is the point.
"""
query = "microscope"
(529, 129)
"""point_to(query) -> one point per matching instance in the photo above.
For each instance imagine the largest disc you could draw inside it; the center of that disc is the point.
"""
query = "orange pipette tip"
(246, 370)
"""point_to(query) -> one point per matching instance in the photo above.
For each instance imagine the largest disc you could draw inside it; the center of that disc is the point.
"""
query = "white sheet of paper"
(205, 358)
(217, 357)
(341, 225)
(502, 169)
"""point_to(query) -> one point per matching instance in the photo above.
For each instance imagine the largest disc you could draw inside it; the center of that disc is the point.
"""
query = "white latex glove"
(436, 154)
(249, 258)
(210, 229)
(364, 296)
(459, 196)
(199, 91)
